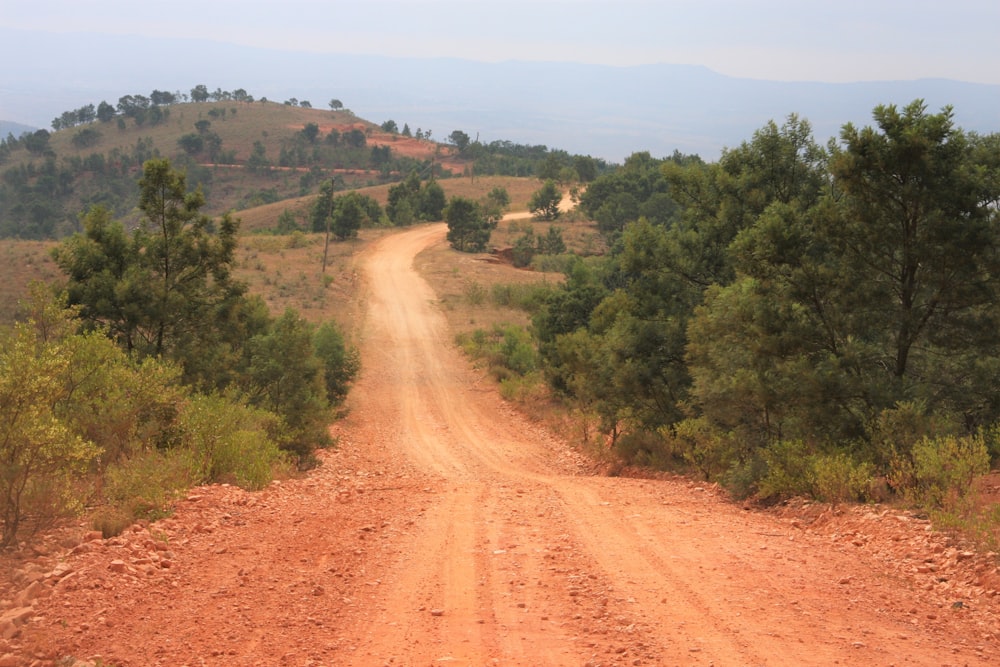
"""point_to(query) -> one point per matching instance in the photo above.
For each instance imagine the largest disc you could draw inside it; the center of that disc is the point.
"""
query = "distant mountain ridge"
(605, 111)
(17, 129)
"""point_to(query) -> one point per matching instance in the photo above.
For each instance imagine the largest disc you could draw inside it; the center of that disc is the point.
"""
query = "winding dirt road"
(448, 530)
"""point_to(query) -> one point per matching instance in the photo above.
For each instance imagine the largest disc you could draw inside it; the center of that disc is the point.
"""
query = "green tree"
(355, 138)
(494, 204)
(847, 306)
(336, 105)
(340, 362)
(919, 219)
(432, 201)
(258, 163)
(36, 142)
(166, 286)
(411, 200)
(468, 229)
(284, 375)
(544, 203)
(348, 215)
(585, 167)
(390, 126)
(191, 143)
(310, 132)
(552, 243)
(460, 140)
(105, 112)
(86, 137)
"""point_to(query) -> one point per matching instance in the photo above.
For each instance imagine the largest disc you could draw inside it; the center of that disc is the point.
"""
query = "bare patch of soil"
(447, 529)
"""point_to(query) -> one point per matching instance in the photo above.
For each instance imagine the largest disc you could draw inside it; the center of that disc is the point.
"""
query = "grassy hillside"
(241, 154)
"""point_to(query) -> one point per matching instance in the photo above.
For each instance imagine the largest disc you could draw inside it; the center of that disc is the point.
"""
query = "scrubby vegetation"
(794, 319)
(150, 370)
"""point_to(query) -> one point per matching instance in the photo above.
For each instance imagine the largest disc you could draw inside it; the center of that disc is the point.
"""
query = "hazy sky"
(802, 40)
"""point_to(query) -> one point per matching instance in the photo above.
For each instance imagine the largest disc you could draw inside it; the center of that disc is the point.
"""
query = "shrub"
(704, 448)
(838, 478)
(789, 470)
(530, 297)
(939, 472)
(40, 455)
(230, 442)
(142, 486)
(475, 293)
(646, 449)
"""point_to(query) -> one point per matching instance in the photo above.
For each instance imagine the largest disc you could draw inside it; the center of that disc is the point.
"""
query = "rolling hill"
(608, 112)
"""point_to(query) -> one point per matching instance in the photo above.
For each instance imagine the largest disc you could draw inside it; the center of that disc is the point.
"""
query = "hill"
(241, 152)
(607, 112)
(8, 127)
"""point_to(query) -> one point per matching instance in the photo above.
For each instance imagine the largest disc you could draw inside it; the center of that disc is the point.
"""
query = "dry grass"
(287, 271)
(21, 263)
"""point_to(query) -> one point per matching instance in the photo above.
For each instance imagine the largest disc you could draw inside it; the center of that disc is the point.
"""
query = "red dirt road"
(448, 530)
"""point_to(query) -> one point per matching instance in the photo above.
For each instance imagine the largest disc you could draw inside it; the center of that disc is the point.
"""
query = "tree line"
(151, 369)
(794, 318)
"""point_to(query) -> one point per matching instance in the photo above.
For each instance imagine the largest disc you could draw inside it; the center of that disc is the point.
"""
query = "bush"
(940, 471)
(789, 470)
(643, 448)
(475, 293)
(838, 478)
(230, 442)
(710, 452)
(143, 486)
(561, 263)
(530, 297)
(41, 457)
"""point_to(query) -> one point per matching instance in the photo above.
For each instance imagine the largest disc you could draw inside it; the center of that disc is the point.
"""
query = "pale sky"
(784, 40)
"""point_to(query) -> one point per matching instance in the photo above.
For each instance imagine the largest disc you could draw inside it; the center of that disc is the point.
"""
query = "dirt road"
(447, 530)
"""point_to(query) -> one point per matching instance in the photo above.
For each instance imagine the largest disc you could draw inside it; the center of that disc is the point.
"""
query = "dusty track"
(448, 530)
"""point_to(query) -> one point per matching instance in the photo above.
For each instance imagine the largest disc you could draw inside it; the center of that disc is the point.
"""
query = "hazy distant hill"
(608, 112)
(17, 129)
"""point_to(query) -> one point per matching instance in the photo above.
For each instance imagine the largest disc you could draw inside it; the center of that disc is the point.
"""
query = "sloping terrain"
(446, 529)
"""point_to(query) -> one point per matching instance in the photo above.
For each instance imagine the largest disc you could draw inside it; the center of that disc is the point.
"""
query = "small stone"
(437, 612)
(117, 565)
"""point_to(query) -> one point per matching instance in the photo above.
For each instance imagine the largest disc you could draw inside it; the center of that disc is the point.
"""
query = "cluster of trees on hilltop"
(155, 370)
(150, 107)
(794, 318)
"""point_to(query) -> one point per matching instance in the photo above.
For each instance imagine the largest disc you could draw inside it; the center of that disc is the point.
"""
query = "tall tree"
(880, 294)
(167, 288)
(468, 228)
(199, 93)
